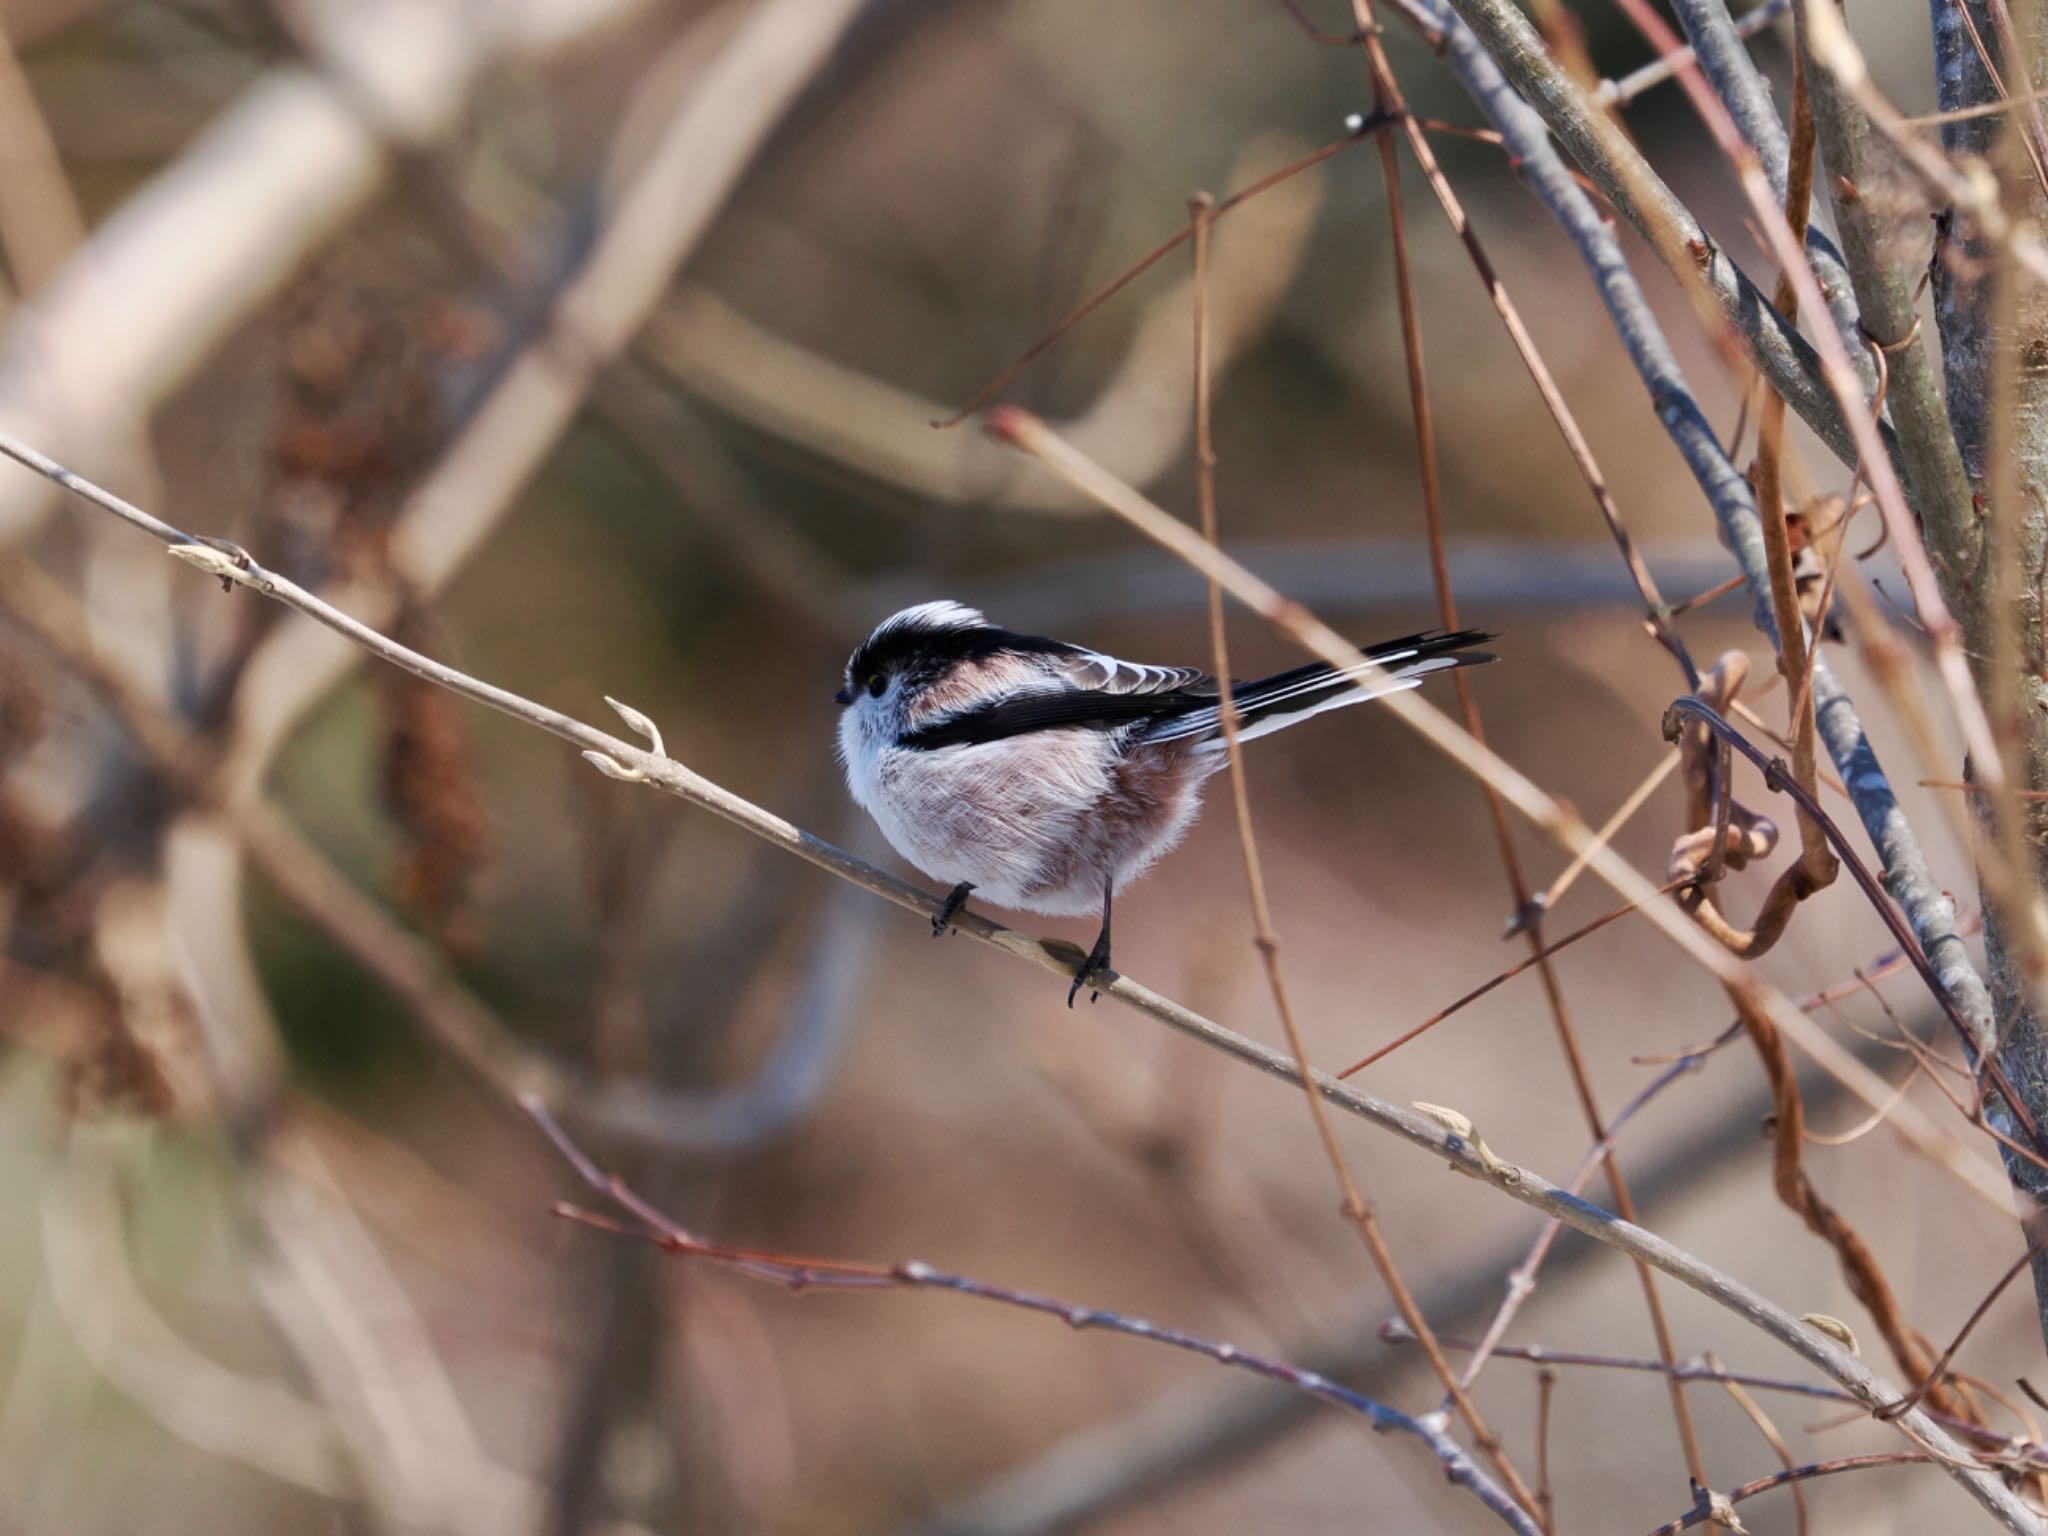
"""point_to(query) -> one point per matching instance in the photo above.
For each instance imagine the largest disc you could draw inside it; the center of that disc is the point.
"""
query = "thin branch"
(801, 1273)
(1638, 797)
(619, 758)
(1948, 1355)
(1907, 871)
(1543, 952)
(1264, 938)
(1618, 93)
(1543, 809)
(1707, 1512)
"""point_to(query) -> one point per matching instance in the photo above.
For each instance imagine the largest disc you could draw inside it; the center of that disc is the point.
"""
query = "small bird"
(1047, 776)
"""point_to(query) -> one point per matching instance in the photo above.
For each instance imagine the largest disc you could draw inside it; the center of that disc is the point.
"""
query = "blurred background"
(592, 346)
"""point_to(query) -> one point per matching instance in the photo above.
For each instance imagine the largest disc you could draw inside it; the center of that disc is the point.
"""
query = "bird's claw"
(1094, 968)
(950, 908)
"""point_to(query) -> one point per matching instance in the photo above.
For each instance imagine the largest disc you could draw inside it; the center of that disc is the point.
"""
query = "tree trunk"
(1987, 573)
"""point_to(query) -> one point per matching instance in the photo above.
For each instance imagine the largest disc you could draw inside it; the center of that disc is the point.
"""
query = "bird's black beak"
(843, 696)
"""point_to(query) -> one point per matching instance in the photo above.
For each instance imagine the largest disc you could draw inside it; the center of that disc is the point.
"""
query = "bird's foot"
(950, 908)
(1094, 968)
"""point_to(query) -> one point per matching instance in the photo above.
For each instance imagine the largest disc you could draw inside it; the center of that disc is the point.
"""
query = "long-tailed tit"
(1047, 776)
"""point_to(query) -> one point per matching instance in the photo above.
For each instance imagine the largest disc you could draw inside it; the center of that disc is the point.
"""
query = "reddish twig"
(802, 1273)
(1364, 128)
(1707, 1511)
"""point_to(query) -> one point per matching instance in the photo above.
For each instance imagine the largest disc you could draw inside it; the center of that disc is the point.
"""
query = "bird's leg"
(956, 898)
(1097, 963)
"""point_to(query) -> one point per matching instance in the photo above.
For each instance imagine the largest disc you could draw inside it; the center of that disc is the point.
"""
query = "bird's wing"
(1084, 690)
(1048, 709)
(1093, 672)
(1091, 691)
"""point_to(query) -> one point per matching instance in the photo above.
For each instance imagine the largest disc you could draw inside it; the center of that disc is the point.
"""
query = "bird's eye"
(877, 684)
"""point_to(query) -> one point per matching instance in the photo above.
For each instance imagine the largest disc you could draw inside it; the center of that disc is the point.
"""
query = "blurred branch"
(1137, 422)
(667, 203)
(710, 1121)
(801, 1273)
(754, 534)
(221, 1412)
(252, 1420)
(656, 769)
(207, 241)
(40, 222)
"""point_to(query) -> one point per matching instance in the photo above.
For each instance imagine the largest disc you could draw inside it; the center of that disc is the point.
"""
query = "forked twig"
(803, 1273)
(640, 766)
(1356, 1208)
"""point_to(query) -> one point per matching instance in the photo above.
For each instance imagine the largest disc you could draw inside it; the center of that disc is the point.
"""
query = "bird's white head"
(907, 652)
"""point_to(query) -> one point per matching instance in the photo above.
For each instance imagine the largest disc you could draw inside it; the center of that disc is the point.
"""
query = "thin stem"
(657, 770)
(1705, 1513)
(1364, 128)
(801, 1273)
(1543, 953)
(1030, 435)
(1264, 936)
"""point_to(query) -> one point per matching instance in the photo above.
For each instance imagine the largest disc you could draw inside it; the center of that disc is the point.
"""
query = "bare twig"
(802, 1273)
(1907, 872)
(1618, 93)
(621, 759)
(1267, 941)
(209, 239)
(1474, 757)
(1707, 1511)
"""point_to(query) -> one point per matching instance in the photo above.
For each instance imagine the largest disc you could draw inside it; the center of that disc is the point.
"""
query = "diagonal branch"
(800, 1273)
(1653, 210)
(1462, 1151)
(1908, 875)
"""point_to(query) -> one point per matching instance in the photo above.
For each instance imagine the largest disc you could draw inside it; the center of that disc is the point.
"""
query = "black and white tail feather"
(1048, 776)
(1286, 698)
